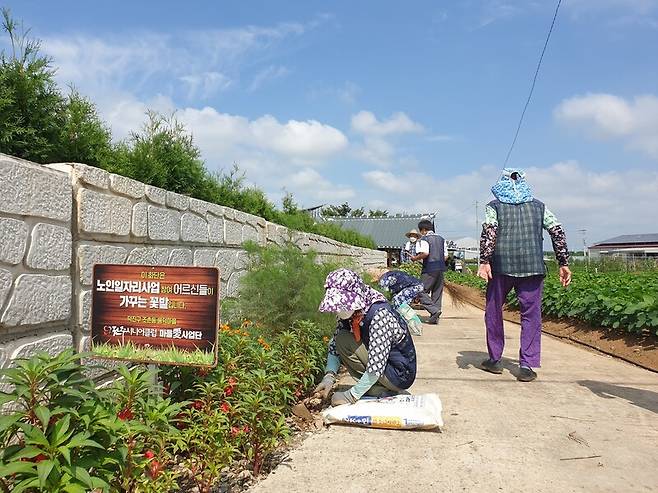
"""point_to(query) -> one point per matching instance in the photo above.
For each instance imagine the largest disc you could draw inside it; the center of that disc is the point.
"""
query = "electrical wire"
(534, 82)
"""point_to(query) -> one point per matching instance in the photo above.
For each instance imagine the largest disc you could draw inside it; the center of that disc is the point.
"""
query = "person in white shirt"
(432, 250)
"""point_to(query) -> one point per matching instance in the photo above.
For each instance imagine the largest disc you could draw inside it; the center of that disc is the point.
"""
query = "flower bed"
(64, 434)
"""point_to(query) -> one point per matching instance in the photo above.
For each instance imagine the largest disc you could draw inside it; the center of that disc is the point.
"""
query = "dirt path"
(500, 434)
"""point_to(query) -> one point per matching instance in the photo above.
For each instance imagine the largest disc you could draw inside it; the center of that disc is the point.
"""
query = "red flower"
(245, 429)
(125, 414)
(232, 381)
(149, 454)
(154, 468)
(235, 431)
(228, 391)
(198, 405)
(225, 408)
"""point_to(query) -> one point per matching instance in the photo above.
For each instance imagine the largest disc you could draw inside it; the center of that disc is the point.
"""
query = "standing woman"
(371, 340)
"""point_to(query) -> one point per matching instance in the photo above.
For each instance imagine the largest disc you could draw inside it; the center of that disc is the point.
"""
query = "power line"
(534, 81)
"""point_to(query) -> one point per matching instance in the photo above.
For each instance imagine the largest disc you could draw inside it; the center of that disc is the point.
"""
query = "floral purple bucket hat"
(345, 291)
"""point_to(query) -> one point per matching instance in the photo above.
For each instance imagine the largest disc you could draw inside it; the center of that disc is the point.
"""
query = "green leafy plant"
(59, 435)
(618, 300)
(282, 285)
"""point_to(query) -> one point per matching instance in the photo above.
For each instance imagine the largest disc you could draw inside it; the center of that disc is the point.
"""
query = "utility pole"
(477, 231)
(585, 252)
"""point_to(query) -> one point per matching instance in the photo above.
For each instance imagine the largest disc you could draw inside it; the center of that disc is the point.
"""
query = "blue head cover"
(510, 191)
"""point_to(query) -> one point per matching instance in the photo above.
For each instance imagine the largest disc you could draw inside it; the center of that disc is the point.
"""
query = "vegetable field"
(617, 300)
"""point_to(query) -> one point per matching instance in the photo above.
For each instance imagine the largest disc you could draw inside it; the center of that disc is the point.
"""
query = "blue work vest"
(401, 366)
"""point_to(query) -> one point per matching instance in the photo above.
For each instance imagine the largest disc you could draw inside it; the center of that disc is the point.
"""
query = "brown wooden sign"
(155, 314)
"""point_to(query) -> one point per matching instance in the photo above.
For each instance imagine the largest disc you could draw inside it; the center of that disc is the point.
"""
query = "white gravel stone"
(84, 310)
(148, 256)
(233, 232)
(249, 233)
(102, 213)
(139, 226)
(163, 224)
(88, 255)
(28, 189)
(178, 201)
(194, 228)
(51, 344)
(38, 298)
(215, 229)
(50, 248)
(156, 195)
(216, 210)
(226, 260)
(13, 239)
(91, 175)
(181, 256)
(204, 257)
(233, 286)
(199, 206)
(127, 186)
(6, 280)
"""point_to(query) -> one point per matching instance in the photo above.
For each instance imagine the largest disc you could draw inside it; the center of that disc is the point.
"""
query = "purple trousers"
(529, 291)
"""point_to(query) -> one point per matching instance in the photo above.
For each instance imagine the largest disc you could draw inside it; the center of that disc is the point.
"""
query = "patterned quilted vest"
(519, 248)
(401, 366)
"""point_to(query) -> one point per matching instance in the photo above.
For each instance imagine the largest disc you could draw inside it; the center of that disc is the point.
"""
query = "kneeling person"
(371, 340)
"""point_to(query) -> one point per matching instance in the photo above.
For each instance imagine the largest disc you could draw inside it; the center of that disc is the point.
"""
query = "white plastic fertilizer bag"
(405, 412)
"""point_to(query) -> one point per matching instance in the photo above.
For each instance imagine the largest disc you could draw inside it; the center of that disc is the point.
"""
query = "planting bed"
(206, 430)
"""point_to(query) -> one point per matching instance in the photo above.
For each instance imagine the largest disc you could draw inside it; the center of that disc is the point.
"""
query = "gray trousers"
(354, 356)
(431, 297)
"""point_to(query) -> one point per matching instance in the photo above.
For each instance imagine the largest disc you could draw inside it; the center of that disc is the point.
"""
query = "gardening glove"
(325, 386)
(343, 398)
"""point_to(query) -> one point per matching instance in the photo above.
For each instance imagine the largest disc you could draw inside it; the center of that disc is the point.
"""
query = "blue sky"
(408, 106)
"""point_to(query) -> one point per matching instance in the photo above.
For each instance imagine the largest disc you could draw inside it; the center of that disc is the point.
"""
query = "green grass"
(168, 355)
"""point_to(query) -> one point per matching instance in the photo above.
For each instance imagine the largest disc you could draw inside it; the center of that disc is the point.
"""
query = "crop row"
(617, 300)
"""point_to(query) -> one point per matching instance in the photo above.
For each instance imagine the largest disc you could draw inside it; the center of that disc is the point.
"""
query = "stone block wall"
(57, 221)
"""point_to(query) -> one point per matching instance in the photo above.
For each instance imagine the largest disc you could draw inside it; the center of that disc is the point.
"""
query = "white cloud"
(378, 136)
(366, 123)
(605, 117)
(387, 181)
(266, 75)
(349, 92)
(205, 62)
(205, 84)
(310, 185)
(605, 203)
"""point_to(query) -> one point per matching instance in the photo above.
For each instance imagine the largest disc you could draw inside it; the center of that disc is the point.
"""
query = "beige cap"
(413, 232)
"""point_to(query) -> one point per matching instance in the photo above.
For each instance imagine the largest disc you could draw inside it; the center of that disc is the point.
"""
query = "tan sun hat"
(413, 232)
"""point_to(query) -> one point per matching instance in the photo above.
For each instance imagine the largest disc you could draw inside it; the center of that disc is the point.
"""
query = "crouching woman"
(371, 340)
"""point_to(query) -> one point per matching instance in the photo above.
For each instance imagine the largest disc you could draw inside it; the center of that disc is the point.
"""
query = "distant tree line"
(344, 210)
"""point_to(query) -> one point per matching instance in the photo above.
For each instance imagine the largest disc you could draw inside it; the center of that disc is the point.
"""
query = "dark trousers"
(354, 356)
(431, 297)
(529, 291)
